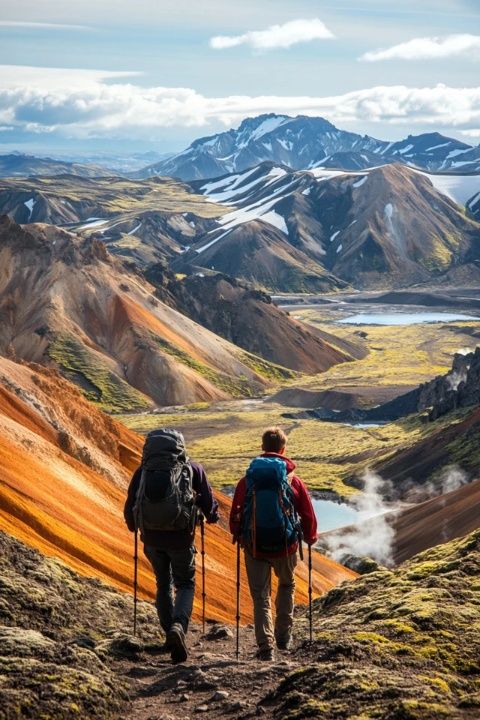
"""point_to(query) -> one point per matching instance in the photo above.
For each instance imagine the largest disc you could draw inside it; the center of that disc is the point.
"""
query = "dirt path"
(210, 683)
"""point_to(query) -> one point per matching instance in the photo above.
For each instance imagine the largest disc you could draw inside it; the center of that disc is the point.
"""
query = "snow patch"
(277, 172)
(339, 248)
(462, 163)
(212, 242)
(92, 222)
(268, 126)
(29, 204)
(332, 237)
(455, 153)
(458, 188)
(473, 200)
(405, 149)
(320, 174)
(436, 147)
(207, 189)
(388, 210)
(132, 232)
(385, 149)
(275, 219)
(360, 182)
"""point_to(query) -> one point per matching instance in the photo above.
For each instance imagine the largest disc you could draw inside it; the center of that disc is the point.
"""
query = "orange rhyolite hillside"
(65, 467)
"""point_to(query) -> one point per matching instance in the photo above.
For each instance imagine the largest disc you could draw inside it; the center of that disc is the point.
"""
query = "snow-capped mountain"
(390, 225)
(308, 142)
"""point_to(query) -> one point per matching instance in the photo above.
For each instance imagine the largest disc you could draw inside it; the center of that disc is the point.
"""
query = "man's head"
(274, 440)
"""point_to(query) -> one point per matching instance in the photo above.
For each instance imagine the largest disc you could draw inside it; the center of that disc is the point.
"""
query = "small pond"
(402, 318)
(332, 515)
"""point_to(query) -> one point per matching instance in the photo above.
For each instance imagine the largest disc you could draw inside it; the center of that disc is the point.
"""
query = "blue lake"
(331, 515)
(402, 318)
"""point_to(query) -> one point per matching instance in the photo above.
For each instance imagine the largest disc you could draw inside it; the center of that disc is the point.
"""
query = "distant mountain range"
(19, 165)
(282, 230)
(303, 142)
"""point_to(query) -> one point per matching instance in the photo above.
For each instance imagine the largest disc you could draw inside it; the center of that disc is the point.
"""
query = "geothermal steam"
(372, 534)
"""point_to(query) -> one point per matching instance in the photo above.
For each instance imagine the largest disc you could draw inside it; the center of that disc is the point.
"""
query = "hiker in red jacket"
(283, 561)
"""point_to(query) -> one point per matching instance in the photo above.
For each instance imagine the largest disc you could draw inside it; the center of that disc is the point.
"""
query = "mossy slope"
(402, 645)
(58, 634)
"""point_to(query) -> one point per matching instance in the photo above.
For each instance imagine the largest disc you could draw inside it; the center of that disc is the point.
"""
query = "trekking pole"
(237, 617)
(310, 591)
(202, 535)
(135, 577)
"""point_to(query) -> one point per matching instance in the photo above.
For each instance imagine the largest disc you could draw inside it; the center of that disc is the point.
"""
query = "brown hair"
(274, 440)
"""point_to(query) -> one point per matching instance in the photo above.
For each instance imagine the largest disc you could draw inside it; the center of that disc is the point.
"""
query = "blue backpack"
(270, 523)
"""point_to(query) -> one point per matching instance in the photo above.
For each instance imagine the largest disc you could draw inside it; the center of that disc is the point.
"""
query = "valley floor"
(224, 436)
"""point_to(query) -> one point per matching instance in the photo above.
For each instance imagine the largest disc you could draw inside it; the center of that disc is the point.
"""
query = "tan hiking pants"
(259, 573)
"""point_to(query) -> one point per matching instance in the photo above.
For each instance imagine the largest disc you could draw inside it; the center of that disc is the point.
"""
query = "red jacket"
(301, 500)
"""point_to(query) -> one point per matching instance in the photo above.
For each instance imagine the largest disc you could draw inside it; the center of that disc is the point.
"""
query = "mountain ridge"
(389, 226)
(304, 142)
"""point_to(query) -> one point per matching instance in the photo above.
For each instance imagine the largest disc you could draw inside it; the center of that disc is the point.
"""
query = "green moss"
(371, 637)
(266, 369)
(98, 383)
(437, 683)
(397, 626)
(238, 386)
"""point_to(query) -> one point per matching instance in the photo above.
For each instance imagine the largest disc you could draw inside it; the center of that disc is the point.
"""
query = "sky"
(111, 76)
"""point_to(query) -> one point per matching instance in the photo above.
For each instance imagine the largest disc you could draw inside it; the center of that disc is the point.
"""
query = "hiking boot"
(265, 654)
(284, 643)
(177, 644)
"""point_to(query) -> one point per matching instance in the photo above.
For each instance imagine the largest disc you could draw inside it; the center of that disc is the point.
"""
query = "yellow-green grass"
(398, 355)
(224, 437)
(99, 384)
(114, 195)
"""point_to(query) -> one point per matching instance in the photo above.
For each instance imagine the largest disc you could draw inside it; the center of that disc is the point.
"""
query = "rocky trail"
(210, 683)
(401, 644)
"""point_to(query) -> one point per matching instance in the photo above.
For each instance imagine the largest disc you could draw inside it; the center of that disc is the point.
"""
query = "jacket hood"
(289, 463)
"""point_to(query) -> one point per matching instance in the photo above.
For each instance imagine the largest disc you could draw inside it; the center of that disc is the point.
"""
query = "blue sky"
(116, 76)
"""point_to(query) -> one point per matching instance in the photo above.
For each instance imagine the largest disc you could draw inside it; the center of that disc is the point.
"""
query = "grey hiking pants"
(259, 573)
(173, 569)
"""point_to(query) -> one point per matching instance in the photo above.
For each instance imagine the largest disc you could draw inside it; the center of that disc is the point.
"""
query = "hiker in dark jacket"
(283, 562)
(172, 555)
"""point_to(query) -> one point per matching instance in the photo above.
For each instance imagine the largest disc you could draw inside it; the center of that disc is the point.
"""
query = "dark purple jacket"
(174, 540)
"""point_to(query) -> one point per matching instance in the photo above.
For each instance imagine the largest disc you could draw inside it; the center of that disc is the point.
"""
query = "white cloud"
(41, 79)
(41, 25)
(429, 48)
(93, 103)
(276, 36)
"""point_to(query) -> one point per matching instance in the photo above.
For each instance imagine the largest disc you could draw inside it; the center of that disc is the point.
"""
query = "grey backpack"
(165, 498)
